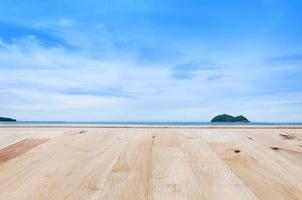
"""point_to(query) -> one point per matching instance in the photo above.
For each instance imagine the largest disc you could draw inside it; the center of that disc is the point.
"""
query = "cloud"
(287, 58)
(65, 22)
(99, 91)
(105, 74)
(12, 33)
(189, 69)
(40, 79)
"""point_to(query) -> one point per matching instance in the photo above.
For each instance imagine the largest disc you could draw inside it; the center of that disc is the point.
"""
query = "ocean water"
(150, 123)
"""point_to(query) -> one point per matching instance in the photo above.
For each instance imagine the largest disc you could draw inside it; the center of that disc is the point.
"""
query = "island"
(230, 118)
(6, 119)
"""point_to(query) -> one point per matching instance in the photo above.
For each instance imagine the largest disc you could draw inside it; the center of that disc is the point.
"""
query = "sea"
(152, 123)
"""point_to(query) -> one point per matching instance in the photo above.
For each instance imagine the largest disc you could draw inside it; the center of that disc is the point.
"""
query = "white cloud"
(55, 83)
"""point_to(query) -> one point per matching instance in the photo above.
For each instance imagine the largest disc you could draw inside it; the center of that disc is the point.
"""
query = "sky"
(151, 60)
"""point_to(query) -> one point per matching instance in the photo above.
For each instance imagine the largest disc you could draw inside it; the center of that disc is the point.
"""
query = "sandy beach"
(137, 162)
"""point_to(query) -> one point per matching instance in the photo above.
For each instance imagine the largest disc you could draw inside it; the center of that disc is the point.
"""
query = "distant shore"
(214, 126)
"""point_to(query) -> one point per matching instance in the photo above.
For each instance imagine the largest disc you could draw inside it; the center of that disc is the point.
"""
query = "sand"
(97, 162)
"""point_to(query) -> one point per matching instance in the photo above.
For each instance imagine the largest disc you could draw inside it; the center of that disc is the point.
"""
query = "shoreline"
(151, 126)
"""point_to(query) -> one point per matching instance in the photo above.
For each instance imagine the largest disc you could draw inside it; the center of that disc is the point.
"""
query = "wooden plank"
(19, 148)
(56, 170)
(259, 177)
(282, 144)
(130, 175)
(88, 179)
(215, 178)
(171, 173)
(278, 164)
(7, 139)
(9, 136)
(152, 163)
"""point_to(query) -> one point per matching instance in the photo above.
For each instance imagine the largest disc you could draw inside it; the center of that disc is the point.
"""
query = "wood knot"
(237, 151)
(287, 137)
(275, 148)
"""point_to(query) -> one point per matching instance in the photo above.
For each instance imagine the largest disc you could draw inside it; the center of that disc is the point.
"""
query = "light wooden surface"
(150, 163)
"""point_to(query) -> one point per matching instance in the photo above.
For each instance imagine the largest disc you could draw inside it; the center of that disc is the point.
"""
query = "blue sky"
(151, 60)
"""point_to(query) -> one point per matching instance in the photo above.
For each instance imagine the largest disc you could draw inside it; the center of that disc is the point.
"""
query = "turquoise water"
(150, 123)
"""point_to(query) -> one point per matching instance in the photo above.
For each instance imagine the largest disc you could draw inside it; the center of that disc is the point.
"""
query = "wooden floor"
(150, 163)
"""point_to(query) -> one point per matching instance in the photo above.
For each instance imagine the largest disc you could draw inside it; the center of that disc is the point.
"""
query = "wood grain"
(150, 163)
(19, 148)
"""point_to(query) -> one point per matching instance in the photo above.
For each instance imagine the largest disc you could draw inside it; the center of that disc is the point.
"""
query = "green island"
(6, 119)
(230, 118)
